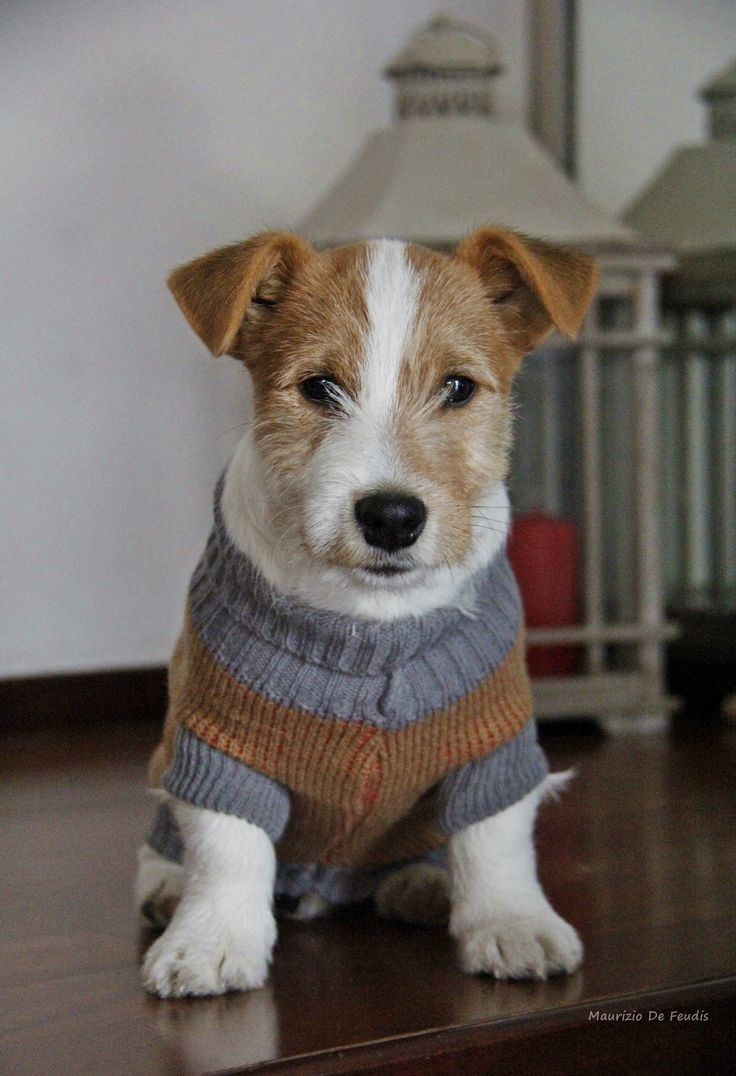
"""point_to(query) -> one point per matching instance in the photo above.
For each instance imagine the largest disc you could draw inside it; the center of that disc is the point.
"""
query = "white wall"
(640, 63)
(138, 133)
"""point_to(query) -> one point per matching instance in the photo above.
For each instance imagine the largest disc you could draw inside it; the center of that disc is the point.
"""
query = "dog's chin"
(368, 571)
(375, 575)
(371, 576)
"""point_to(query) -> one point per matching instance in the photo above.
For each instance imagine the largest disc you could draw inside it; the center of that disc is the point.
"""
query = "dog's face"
(382, 376)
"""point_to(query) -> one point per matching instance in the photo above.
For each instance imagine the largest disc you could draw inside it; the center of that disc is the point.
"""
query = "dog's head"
(382, 375)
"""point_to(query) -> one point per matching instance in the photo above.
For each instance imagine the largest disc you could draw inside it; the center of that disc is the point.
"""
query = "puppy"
(350, 714)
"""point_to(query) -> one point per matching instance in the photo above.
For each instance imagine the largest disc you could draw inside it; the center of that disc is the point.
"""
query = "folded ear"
(535, 286)
(222, 289)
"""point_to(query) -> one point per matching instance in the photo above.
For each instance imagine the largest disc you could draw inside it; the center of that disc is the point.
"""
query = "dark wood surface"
(639, 855)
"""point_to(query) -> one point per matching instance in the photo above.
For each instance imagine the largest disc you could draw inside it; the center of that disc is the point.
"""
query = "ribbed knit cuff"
(492, 783)
(164, 836)
(203, 776)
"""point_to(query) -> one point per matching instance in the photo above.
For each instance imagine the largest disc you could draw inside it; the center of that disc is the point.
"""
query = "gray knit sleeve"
(492, 783)
(205, 777)
(164, 836)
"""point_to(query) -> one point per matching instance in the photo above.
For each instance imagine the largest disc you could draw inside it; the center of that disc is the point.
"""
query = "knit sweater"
(355, 744)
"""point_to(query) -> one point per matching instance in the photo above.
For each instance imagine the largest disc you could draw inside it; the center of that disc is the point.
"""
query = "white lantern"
(691, 206)
(448, 165)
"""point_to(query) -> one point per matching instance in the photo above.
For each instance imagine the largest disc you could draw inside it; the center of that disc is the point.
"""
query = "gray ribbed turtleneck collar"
(357, 647)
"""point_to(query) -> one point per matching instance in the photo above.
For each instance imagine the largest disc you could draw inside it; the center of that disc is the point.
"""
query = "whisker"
(489, 527)
(288, 533)
(281, 512)
(230, 430)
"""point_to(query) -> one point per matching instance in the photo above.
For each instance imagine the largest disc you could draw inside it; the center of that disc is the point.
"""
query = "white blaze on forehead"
(392, 301)
(358, 454)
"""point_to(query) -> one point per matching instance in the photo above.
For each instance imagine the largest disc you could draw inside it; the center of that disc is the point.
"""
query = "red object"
(543, 554)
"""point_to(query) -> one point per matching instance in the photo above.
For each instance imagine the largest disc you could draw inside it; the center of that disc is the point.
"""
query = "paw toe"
(197, 968)
(520, 947)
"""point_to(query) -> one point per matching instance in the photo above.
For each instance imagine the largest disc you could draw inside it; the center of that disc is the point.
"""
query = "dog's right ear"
(218, 291)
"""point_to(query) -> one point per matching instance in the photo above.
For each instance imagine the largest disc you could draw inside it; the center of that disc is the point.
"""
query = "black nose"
(390, 521)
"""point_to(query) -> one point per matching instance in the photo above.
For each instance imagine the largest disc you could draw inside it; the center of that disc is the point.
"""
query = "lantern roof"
(446, 46)
(690, 204)
(433, 180)
(448, 164)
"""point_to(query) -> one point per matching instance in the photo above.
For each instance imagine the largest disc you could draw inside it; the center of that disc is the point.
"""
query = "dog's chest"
(357, 721)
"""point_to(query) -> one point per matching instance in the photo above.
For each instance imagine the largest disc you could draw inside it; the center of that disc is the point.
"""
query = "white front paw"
(514, 945)
(193, 960)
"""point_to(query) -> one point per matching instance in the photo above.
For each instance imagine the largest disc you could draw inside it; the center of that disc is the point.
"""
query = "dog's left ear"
(535, 286)
(223, 289)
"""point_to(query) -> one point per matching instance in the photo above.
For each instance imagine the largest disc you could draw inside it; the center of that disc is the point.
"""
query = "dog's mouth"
(389, 572)
(388, 569)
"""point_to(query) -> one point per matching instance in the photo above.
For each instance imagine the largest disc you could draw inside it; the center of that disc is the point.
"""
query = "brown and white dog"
(381, 365)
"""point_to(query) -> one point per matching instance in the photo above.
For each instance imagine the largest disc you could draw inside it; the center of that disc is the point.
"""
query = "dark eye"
(321, 390)
(457, 390)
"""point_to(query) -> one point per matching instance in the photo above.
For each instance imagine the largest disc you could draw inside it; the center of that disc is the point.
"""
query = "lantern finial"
(446, 67)
(720, 96)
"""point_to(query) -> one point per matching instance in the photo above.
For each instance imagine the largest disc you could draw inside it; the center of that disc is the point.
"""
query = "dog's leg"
(417, 893)
(503, 923)
(159, 883)
(221, 935)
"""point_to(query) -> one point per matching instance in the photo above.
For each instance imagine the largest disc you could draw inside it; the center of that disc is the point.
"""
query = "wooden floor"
(639, 855)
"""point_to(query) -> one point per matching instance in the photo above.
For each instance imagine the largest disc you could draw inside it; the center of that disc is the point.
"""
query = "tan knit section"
(360, 795)
(177, 674)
